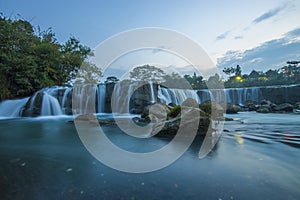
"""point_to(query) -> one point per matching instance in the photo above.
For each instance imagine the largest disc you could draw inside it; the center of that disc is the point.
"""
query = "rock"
(171, 126)
(174, 112)
(297, 106)
(251, 107)
(160, 110)
(206, 106)
(264, 109)
(189, 102)
(285, 107)
(168, 126)
(232, 109)
(265, 102)
(33, 109)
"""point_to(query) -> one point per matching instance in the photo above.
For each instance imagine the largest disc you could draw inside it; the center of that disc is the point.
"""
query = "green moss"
(174, 112)
(206, 107)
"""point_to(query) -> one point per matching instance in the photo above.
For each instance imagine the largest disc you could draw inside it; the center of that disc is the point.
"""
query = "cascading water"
(121, 96)
(58, 100)
(176, 96)
(50, 105)
(233, 95)
(12, 108)
(85, 98)
(152, 92)
(65, 99)
(242, 95)
(101, 90)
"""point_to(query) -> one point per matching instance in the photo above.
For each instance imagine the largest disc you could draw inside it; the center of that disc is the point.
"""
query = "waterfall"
(101, 90)
(242, 95)
(176, 96)
(50, 105)
(232, 95)
(12, 108)
(85, 98)
(152, 92)
(121, 96)
(65, 99)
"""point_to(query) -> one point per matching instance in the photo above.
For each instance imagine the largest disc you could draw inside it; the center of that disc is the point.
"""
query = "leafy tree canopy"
(32, 60)
(147, 73)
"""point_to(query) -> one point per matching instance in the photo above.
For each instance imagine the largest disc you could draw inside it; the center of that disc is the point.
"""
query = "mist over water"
(256, 157)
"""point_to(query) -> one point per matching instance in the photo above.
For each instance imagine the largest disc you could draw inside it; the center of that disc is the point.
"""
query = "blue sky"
(231, 32)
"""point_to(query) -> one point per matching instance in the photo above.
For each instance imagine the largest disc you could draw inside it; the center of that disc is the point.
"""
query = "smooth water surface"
(257, 157)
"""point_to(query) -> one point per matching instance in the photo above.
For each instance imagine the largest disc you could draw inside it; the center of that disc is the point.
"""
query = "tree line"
(286, 75)
(31, 59)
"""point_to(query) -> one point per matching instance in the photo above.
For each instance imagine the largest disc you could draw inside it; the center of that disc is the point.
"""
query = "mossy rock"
(174, 112)
(206, 107)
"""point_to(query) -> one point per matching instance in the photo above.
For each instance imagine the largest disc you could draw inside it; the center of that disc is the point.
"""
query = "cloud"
(293, 33)
(270, 54)
(159, 49)
(269, 14)
(238, 37)
(223, 36)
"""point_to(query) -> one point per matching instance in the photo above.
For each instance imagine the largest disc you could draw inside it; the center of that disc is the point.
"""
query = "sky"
(254, 34)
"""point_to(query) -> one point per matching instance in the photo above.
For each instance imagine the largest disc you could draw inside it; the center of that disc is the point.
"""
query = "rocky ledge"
(166, 120)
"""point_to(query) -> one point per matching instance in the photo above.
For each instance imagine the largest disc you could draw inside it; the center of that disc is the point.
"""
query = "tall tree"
(147, 73)
(30, 61)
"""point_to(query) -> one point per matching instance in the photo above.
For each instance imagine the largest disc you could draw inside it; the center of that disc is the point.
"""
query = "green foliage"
(111, 79)
(195, 81)
(175, 111)
(89, 73)
(231, 70)
(214, 82)
(30, 61)
(206, 107)
(174, 80)
(147, 73)
(289, 74)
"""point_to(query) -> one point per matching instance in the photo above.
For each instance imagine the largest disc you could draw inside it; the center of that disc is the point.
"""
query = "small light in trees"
(238, 78)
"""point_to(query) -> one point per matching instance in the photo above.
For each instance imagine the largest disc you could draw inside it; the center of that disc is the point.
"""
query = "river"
(257, 157)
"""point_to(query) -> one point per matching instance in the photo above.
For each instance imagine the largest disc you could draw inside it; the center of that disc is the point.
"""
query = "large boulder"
(33, 106)
(297, 106)
(232, 108)
(264, 109)
(251, 107)
(284, 107)
(265, 102)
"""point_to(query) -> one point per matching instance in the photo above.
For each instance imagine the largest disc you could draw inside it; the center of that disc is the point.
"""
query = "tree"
(174, 80)
(229, 71)
(30, 61)
(147, 73)
(214, 82)
(195, 81)
(89, 73)
(237, 71)
(111, 79)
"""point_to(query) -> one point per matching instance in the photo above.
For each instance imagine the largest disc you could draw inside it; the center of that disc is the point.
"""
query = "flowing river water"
(257, 157)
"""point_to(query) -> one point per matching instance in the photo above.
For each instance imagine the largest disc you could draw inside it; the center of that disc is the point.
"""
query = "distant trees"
(174, 80)
(237, 71)
(89, 73)
(147, 73)
(111, 79)
(195, 81)
(30, 61)
(214, 82)
(289, 74)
